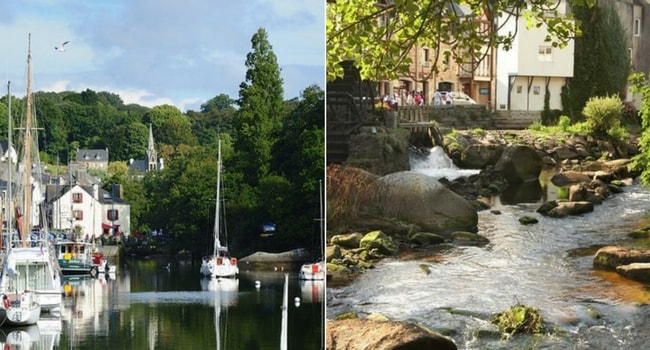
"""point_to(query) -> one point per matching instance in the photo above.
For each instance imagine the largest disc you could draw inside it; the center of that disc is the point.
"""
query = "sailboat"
(29, 264)
(219, 264)
(23, 310)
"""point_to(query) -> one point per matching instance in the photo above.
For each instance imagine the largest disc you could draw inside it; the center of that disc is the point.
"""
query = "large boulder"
(379, 241)
(348, 241)
(520, 164)
(364, 334)
(421, 200)
(479, 155)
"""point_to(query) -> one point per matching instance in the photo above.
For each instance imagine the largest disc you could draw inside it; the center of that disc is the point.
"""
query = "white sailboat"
(220, 263)
(29, 264)
(23, 310)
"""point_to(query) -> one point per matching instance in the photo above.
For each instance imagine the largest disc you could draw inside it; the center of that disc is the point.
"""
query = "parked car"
(459, 98)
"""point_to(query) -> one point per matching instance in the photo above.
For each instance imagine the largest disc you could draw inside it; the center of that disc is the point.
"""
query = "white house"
(530, 67)
(89, 210)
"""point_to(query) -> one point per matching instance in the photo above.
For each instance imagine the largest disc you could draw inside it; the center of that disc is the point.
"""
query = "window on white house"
(637, 27)
(519, 88)
(112, 214)
(536, 90)
(545, 54)
(78, 214)
(77, 197)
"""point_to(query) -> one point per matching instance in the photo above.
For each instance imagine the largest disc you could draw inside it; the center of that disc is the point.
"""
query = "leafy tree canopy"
(378, 35)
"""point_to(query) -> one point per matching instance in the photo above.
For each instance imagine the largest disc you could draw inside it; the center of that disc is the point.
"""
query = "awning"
(106, 226)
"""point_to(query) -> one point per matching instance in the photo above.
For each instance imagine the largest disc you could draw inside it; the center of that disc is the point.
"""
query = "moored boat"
(79, 258)
(29, 264)
(19, 310)
(220, 263)
(312, 271)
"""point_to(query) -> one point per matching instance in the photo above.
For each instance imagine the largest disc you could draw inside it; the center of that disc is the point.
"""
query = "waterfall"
(437, 164)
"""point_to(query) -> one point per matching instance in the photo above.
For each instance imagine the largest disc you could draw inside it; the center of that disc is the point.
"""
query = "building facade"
(88, 210)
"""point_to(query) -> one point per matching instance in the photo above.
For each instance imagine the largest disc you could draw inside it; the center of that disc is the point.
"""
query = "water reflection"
(312, 291)
(147, 305)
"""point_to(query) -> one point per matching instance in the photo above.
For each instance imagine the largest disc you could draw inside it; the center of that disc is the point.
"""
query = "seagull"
(62, 47)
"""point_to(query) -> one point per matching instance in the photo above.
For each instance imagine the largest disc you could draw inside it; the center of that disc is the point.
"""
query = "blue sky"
(154, 52)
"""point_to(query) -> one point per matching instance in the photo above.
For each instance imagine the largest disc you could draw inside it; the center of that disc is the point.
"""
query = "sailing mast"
(8, 204)
(217, 243)
(27, 144)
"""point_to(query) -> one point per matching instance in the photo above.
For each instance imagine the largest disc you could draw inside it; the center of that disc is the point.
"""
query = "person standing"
(437, 98)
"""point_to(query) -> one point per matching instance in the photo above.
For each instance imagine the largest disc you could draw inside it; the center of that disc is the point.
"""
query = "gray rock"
(520, 164)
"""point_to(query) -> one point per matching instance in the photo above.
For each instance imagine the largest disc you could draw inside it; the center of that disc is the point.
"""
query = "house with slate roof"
(93, 158)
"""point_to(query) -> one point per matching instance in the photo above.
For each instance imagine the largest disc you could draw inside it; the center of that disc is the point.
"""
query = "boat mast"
(217, 243)
(27, 144)
(9, 165)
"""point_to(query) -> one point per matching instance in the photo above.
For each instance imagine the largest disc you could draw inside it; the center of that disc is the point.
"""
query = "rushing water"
(149, 306)
(547, 265)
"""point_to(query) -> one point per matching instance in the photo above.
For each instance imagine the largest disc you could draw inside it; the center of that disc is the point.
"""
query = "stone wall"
(468, 117)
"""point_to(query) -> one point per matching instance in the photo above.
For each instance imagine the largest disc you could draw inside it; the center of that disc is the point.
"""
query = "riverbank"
(455, 286)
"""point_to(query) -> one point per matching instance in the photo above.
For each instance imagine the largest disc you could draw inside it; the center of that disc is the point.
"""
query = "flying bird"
(62, 47)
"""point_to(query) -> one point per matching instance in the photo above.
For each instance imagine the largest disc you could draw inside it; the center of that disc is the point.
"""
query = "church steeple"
(152, 156)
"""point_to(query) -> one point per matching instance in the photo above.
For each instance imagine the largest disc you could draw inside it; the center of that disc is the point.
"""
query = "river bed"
(547, 265)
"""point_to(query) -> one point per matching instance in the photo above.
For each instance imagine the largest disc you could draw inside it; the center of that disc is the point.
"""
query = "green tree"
(378, 35)
(602, 64)
(641, 85)
(260, 110)
(170, 125)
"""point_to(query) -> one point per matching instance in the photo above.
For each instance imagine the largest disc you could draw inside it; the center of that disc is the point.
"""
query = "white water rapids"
(547, 265)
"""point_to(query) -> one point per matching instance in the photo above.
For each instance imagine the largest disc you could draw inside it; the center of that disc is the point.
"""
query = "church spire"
(152, 156)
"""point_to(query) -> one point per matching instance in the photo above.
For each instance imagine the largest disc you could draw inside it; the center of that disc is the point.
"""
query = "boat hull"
(23, 312)
(32, 269)
(217, 266)
(313, 271)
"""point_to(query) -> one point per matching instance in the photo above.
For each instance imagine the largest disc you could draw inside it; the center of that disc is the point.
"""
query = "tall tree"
(260, 110)
(602, 63)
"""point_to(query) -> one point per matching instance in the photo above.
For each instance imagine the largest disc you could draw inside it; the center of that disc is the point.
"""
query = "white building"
(530, 67)
(89, 210)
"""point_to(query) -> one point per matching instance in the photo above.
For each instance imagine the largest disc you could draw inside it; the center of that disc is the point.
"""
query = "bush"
(564, 123)
(603, 114)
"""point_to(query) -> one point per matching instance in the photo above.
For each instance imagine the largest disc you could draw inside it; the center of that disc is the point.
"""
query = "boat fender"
(93, 271)
(67, 256)
(6, 302)
(315, 268)
(233, 261)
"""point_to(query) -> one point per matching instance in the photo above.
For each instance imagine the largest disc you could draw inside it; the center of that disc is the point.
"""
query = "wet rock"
(425, 238)
(468, 238)
(421, 200)
(528, 220)
(570, 208)
(336, 269)
(332, 252)
(567, 178)
(364, 334)
(611, 257)
(377, 240)
(479, 155)
(520, 164)
(635, 271)
(349, 241)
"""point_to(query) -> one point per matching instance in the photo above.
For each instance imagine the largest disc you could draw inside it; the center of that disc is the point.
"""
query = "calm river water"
(149, 306)
(547, 265)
